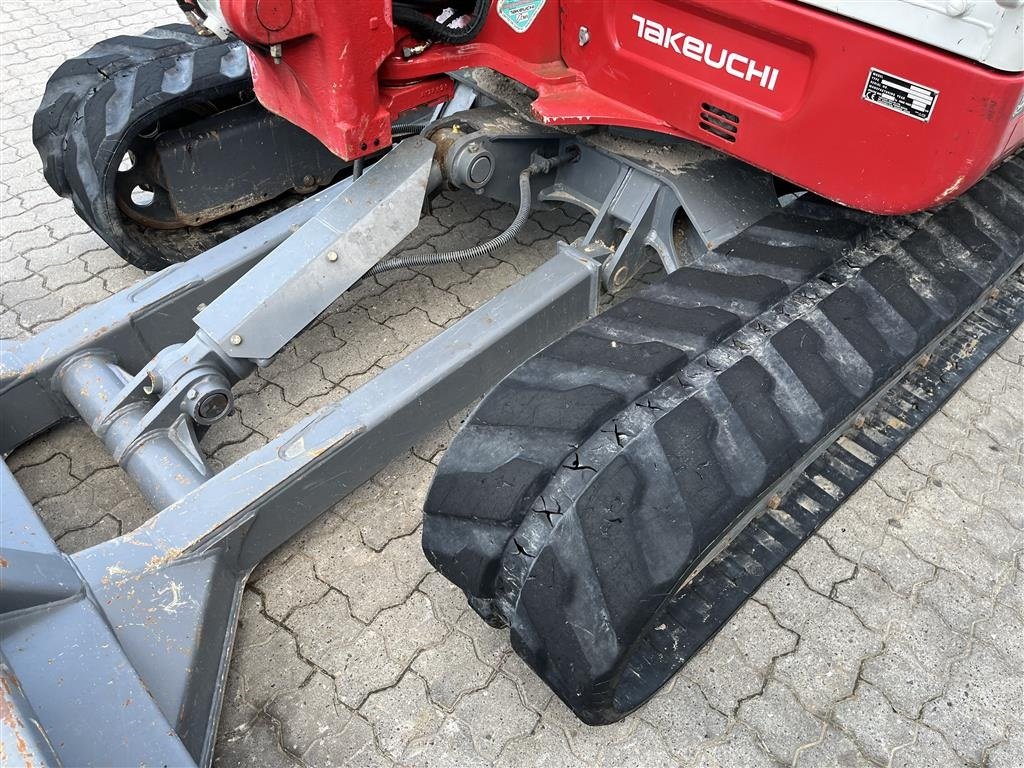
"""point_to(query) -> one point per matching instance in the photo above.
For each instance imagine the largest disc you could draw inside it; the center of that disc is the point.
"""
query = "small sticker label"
(900, 95)
(519, 14)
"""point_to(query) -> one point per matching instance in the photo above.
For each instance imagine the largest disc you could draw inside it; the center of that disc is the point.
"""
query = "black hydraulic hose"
(406, 129)
(540, 165)
(415, 20)
(187, 7)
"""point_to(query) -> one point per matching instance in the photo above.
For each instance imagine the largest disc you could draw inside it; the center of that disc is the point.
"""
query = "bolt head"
(584, 36)
(332, 256)
(236, 339)
(191, 394)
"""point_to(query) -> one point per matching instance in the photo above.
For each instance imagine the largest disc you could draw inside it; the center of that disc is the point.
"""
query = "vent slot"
(721, 113)
(719, 122)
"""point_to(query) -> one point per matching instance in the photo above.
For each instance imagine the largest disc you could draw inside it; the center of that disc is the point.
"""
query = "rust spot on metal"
(3, 562)
(14, 725)
(774, 502)
(158, 561)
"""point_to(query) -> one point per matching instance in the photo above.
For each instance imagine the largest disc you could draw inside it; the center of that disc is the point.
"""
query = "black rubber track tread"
(94, 103)
(691, 621)
(476, 492)
(596, 542)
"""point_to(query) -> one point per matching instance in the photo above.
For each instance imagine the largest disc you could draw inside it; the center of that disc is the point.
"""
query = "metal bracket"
(625, 226)
(300, 278)
(673, 200)
(154, 314)
(484, 150)
(463, 98)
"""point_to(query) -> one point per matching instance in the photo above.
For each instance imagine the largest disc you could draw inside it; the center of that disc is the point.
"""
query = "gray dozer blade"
(118, 655)
(618, 496)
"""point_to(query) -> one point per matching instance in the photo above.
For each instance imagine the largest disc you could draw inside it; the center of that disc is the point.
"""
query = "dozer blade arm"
(304, 275)
(120, 652)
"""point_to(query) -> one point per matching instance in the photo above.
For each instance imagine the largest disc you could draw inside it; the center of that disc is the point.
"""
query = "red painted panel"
(792, 75)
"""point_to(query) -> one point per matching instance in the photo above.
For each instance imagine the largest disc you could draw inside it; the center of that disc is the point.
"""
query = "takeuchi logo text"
(716, 57)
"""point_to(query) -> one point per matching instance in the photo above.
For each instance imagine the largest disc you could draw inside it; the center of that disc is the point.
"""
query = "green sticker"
(519, 14)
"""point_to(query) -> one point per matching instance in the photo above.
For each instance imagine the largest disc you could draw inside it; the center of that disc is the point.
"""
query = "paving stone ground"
(893, 637)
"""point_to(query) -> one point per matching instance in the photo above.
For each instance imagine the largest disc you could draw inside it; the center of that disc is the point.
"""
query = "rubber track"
(537, 418)
(95, 103)
(576, 502)
(697, 612)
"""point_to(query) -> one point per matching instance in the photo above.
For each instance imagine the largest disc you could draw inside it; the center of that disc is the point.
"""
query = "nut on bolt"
(584, 36)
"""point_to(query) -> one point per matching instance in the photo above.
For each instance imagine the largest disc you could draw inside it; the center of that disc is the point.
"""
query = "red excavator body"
(867, 118)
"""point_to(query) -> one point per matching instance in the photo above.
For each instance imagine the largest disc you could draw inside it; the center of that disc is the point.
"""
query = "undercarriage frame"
(138, 631)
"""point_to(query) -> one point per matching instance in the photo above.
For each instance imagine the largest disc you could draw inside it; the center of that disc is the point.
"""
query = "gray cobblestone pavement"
(893, 638)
